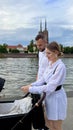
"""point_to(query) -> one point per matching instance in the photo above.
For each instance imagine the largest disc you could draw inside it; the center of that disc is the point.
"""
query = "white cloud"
(15, 14)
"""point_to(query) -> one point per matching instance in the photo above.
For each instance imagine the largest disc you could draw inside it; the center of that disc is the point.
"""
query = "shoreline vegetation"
(27, 55)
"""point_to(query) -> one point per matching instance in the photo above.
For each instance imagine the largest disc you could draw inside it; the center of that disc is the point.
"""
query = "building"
(44, 32)
(18, 47)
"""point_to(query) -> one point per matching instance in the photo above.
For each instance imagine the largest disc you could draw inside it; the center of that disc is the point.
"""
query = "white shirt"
(53, 79)
(43, 63)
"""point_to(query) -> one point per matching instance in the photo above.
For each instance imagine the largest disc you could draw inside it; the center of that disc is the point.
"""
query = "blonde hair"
(54, 46)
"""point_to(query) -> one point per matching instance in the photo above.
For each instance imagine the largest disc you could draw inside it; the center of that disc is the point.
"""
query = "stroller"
(24, 121)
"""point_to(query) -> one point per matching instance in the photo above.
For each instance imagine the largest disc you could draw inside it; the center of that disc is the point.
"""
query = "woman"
(54, 77)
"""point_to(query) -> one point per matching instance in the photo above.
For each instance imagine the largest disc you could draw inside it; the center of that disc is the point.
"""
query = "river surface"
(22, 71)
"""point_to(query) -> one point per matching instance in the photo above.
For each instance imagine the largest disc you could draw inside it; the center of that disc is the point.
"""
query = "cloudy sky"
(20, 19)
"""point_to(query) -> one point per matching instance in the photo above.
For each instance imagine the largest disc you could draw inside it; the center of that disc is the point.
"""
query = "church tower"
(44, 32)
(40, 32)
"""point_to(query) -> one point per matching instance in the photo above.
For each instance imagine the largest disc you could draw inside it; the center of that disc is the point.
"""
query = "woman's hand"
(25, 88)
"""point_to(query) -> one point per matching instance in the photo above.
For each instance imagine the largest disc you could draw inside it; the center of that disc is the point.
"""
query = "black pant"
(38, 120)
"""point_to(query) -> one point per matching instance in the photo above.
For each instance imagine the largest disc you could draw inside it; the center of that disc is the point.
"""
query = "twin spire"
(41, 25)
(44, 32)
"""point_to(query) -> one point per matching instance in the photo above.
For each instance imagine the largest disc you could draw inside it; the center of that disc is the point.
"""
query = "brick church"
(44, 32)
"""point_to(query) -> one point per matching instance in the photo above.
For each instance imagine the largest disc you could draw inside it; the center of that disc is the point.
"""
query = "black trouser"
(38, 120)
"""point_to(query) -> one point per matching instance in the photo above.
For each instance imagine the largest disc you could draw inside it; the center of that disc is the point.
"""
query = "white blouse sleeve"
(55, 80)
(39, 82)
(36, 85)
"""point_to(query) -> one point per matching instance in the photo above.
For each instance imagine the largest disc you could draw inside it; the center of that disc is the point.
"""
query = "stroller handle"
(26, 95)
(41, 99)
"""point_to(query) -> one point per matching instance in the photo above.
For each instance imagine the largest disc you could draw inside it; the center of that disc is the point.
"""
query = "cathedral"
(44, 32)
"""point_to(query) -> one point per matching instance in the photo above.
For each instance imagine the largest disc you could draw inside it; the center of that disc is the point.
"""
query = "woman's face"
(52, 56)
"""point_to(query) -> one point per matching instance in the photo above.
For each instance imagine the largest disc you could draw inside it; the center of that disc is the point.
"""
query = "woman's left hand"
(25, 88)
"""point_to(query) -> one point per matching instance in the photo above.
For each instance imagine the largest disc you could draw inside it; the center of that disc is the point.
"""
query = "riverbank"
(68, 122)
(18, 55)
(28, 55)
(68, 55)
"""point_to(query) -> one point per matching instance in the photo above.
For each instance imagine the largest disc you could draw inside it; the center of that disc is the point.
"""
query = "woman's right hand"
(25, 88)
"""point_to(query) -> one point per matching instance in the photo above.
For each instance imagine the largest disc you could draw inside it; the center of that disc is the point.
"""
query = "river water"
(22, 71)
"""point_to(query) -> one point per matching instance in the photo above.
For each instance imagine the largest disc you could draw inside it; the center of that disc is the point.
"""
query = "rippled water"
(69, 78)
(22, 71)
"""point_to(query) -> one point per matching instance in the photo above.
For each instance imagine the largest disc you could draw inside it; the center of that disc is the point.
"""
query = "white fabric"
(43, 63)
(56, 105)
(56, 102)
(19, 107)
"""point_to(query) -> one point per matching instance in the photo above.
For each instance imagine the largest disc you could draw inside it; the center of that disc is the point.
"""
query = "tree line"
(66, 49)
(33, 49)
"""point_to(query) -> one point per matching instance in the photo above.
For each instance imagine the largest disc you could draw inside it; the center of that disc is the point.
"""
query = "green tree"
(71, 50)
(67, 50)
(15, 51)
(3, 48)
(30, 46)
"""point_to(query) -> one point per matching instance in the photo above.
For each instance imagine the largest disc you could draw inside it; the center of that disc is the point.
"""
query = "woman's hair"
(53, 46)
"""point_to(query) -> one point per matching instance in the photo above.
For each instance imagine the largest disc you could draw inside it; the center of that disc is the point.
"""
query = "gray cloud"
(19, 20)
